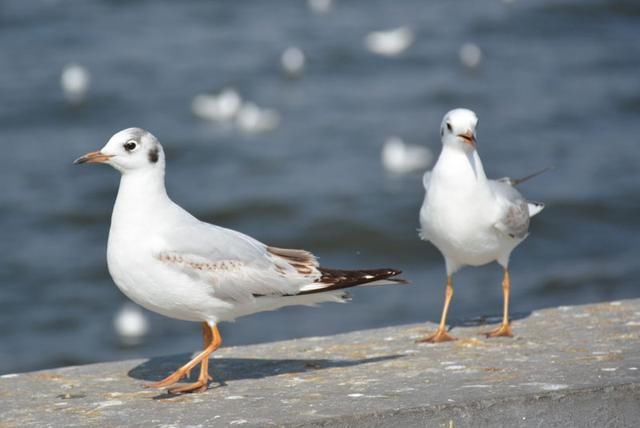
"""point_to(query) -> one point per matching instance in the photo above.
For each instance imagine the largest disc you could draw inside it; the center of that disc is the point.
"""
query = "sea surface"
(558, 85)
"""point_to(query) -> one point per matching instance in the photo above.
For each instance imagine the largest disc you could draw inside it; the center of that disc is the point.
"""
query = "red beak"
(93, 157)
(469, 138)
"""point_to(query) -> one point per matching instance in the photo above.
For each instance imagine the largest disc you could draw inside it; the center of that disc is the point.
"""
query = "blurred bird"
(130, 324)
(75, 81)
(391, 42)
(292, 61)
(470, 55)
(320, 7)
(169, 262)
(221, 107)
(399, 157)
(472, 220)
(252, 119)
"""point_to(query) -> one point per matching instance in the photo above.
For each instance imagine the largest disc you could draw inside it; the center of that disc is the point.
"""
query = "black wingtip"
(336, 279)
(517, 181)
(392, 276)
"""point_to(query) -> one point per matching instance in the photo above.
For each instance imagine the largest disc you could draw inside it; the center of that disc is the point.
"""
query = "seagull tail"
(534, 207)
(335, 279)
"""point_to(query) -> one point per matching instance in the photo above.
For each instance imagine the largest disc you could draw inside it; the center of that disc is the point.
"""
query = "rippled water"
(558, 85)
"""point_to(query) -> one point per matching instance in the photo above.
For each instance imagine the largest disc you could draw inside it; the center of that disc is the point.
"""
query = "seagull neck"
(467, 163)
(142, 188)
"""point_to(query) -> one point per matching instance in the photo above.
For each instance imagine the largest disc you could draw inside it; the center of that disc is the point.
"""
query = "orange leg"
(441, 334)
(212, 341)
(505, 329)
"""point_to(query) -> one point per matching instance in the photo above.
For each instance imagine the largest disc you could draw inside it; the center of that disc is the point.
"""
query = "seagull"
(472, 220)
(130, 324)
(75, 81)
(169, 262)
(399, 157)
(222, 107)
(470, 55)
(389, 43)
(292, 61)
(252, 119)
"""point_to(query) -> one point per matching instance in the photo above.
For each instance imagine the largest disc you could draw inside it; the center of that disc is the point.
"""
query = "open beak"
(93, 157)
(469, 138)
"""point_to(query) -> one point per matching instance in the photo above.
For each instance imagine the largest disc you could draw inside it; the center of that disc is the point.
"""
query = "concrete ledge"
(570, 366)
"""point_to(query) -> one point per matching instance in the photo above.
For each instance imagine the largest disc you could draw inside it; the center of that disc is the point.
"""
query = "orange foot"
(200, 386)
(503, 331)
(171, 379)
(438, 336)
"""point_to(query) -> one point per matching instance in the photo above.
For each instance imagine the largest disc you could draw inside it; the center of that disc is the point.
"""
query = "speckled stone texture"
(569, 366)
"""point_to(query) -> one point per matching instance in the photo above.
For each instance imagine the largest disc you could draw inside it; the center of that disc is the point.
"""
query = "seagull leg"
(212, 341)
(441, 334)
(505, 329)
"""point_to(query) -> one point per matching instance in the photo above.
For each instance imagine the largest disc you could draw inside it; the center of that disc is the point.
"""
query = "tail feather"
(534, 207)
(335, 279)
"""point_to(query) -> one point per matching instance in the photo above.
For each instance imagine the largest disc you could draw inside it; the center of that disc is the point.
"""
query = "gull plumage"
(471, 219)
(169, 262)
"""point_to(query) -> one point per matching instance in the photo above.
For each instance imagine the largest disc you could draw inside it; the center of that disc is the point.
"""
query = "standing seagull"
(166, 260)
(472, 220)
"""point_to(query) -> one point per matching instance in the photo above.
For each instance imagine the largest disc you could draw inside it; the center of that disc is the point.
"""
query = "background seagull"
(472, 220)
(169, 262)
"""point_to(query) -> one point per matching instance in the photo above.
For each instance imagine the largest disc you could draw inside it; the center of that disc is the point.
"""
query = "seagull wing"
(237, 267)
(514, 217)
(426, 182)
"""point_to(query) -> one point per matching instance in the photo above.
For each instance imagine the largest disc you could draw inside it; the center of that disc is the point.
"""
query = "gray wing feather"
(514, 220)
(236, 266)
(426, 180)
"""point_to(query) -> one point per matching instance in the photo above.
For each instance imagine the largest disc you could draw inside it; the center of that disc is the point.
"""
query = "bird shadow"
(232, 369)
(486, 320)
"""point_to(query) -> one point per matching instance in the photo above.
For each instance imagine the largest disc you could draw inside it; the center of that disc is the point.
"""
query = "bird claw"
(169, 380)
(438, 336)
(200, 386)
(503, 331)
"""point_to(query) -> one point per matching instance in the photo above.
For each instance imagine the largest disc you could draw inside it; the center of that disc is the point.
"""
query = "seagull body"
(169, 262)
(471, 219)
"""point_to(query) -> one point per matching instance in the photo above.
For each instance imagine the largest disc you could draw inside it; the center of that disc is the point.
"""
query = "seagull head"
(129, 150)
(458, 129)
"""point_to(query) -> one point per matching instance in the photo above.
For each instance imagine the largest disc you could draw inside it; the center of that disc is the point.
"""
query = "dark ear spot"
(442, 131)
(153, 155)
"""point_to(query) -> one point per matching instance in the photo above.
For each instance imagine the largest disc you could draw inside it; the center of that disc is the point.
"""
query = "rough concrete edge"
(464, 410)
(461, 322)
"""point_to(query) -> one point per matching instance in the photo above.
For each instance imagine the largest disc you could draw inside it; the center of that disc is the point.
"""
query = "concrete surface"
(569, 366)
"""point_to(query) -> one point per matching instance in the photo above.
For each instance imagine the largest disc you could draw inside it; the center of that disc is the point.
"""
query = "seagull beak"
(93, 157)
(469, 138)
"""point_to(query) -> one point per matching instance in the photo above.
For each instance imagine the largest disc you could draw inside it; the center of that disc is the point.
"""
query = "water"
(558, 85)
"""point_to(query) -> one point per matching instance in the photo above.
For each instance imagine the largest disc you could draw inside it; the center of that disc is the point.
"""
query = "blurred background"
(309, 124)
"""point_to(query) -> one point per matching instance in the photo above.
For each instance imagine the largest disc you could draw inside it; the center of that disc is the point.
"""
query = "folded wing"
(238, 268)
(516, 210)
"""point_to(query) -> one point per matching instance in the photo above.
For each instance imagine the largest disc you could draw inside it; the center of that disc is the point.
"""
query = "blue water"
(558, 85)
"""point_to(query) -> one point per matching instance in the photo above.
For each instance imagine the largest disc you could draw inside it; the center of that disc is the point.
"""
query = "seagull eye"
(449, 127)
(130, 145)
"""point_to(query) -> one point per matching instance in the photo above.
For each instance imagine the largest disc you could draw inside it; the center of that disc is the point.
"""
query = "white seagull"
(169, 262)
(472, 220)
(389, 43)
